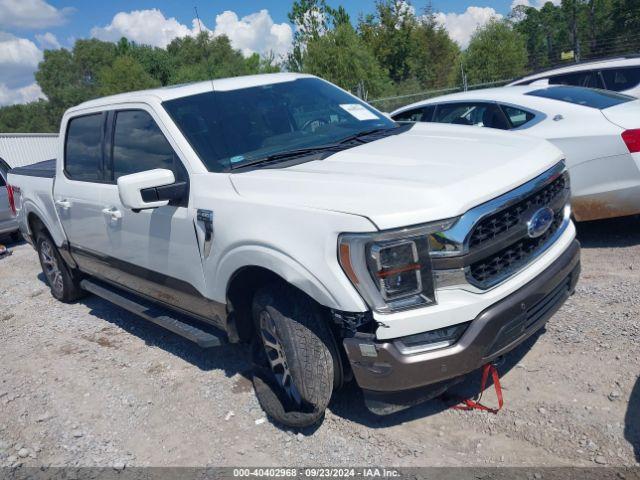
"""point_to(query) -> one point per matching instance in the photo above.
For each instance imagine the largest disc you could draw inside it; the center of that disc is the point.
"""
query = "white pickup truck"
(282, 211)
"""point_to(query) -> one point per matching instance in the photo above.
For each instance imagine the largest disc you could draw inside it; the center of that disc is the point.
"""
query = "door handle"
(63, 204)
(112, 212)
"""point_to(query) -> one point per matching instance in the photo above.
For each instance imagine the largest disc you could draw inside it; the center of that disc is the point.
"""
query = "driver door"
(155, 251)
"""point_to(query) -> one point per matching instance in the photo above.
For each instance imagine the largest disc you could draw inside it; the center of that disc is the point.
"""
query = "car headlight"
(392, 269)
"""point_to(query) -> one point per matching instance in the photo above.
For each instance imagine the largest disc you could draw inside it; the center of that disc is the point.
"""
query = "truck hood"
(431, 172)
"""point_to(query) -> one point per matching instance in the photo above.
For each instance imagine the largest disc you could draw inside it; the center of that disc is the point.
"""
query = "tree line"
(393, 51)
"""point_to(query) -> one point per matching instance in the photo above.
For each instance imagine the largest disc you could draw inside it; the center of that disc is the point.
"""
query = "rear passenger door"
(80, 186)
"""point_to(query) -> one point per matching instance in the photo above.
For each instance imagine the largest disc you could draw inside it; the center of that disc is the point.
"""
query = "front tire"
(293, 355)
(63, 283)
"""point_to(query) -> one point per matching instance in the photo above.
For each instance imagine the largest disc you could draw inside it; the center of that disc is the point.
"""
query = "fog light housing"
(432, 340)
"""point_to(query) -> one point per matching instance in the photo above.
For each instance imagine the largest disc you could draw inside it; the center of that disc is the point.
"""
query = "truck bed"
(33, 190)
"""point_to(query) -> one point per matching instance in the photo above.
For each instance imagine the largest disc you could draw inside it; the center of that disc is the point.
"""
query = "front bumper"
(396, 379)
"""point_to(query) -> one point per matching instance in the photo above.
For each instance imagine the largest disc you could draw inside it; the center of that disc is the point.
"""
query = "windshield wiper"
(365, 133)
(289, 154)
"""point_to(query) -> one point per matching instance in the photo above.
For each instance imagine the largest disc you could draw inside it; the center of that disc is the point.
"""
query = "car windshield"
(587, 97)
(229, 129)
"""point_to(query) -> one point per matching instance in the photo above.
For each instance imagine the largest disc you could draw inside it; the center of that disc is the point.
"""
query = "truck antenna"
(206, 52)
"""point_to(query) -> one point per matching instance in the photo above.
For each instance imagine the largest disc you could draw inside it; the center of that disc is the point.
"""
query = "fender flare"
(275, 261)
(31, 207)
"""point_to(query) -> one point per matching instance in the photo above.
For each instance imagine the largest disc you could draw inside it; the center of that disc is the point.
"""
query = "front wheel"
(63, 284)
(293, 356)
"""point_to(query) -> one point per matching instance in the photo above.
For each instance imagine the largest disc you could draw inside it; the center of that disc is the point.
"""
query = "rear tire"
(293, 356)
(64, 285)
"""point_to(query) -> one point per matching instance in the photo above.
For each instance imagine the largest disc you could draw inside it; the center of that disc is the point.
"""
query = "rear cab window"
(586, 97)
(83, 148)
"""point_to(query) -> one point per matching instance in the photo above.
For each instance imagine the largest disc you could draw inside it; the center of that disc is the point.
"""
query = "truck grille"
(503, 221)
(496, 266)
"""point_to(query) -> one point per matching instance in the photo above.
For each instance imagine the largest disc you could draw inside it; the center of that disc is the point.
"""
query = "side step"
(153, 313)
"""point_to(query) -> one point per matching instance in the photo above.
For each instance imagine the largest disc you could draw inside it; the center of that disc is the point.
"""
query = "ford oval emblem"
(540, 222)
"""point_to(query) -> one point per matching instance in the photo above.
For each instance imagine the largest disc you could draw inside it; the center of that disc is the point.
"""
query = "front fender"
(281, 264)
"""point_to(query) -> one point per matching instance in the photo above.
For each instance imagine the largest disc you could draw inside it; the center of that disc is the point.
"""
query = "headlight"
(392, 270)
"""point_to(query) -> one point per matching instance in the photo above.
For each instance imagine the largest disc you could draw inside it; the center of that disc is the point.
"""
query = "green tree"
(30, 117)
(311, 19)
(625, 26)
(434, 59)
(389, 32)
(205, 57)
(124, 75)
(341, 57)
(496, 52)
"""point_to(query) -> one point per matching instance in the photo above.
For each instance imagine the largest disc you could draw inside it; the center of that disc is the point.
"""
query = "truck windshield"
(229, 129)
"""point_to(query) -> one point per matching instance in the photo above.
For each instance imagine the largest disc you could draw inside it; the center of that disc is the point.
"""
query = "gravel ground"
(89, 385)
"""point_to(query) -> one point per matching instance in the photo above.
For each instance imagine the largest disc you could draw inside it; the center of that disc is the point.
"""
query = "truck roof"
(187, 89)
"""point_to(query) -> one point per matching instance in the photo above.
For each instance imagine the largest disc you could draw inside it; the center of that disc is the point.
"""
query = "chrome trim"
(461, 231)
(457, 278)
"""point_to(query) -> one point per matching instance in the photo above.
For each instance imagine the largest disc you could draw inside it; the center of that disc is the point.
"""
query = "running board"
(153, 313)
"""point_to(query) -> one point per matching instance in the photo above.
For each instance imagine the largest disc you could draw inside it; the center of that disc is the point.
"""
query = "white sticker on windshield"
(358, 111)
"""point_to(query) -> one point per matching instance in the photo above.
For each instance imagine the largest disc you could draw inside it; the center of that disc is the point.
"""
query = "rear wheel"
(293, 356)
(63, 283)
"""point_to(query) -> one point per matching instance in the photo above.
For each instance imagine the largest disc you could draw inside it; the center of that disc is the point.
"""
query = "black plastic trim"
(161, 288)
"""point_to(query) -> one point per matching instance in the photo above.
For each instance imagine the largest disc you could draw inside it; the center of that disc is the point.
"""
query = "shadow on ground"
(632, 420)
(232, 359)
(613, 233)
(348, 403)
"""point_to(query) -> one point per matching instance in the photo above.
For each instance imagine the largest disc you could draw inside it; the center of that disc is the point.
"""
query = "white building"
(19, 149)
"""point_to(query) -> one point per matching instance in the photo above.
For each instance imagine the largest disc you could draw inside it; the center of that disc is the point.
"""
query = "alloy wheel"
(50, 266)
(276, 356)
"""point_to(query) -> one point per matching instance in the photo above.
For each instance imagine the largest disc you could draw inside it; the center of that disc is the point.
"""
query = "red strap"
(476, 405)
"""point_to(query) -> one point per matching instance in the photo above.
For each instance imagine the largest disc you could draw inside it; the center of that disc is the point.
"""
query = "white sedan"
(599, 132)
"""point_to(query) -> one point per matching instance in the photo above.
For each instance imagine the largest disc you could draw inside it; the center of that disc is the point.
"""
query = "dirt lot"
(89, 385)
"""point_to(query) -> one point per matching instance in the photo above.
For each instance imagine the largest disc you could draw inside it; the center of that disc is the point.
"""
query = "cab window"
(83, 148)
(140, 145)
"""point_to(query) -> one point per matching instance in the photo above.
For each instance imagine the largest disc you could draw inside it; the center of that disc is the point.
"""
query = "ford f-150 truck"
(282, 211)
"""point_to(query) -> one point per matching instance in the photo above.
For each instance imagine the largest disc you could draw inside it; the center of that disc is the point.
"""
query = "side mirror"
(149, 189)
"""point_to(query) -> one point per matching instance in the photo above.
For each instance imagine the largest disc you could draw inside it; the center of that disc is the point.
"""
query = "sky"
(28, 27)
